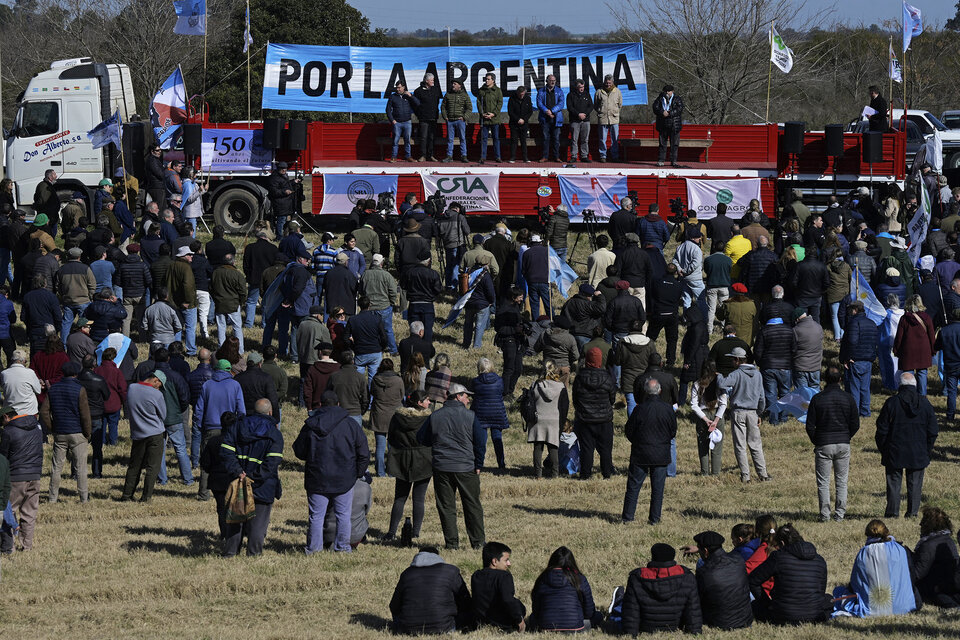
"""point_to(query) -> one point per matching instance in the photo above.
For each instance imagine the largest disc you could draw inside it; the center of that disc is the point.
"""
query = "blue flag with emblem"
(191, 17)
(462, 302)
(107, 132)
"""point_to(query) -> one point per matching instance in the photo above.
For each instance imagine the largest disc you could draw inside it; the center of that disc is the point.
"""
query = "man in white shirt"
(21, 385)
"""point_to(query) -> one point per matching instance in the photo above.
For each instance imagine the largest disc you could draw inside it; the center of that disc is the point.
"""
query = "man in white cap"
(745, 397)
(381, 288)
(182, 291)
(458, 446)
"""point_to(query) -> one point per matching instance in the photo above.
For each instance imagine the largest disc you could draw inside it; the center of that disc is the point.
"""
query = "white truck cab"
(54, 113)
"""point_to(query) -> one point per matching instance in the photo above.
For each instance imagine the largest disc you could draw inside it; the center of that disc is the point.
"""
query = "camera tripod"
(590, 223)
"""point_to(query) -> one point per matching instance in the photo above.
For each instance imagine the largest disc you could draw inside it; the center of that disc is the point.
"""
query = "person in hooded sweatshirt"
(745, 393)
(799, 582)
(431, 597)
(632, 355)
(661, 596)
(253, 448)
(219, 394)
(335, 453)
(594, 392)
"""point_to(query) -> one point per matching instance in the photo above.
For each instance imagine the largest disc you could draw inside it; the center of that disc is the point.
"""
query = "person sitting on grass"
(661, 596)
(935, 560)
(561, 597)
(494, 599)
(430, 597)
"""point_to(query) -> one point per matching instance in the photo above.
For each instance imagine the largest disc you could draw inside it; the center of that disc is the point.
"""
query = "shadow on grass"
(899, 629)
(945, 454)
(781, 516)
(195, 542)
(370, 621)
(587, 514)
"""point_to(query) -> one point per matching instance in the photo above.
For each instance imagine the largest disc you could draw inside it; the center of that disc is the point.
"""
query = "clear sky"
(593, 17)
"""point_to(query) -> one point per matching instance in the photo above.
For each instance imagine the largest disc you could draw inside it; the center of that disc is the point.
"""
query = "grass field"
(112, 570)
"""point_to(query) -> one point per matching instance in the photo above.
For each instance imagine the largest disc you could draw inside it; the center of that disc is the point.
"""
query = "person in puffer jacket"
(661, 596)
(774, 350)
(21, 443)
(253, 448)
(723, 584)
(561, 599)
(800, 582)
(488, 406)
(632, 356)
(430, 597)
(594, 392)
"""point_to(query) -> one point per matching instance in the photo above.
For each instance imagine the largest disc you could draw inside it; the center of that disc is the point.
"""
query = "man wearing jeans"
(176, 397)
(489, 105)
(808, 357)
(381, 288)
(334, 450)
(858, 350)
(535, 267)
(400, 106)
(608, 101)
(257, 258)
(219, 394)
(228, 287)
(689, 260)
(422, 286)
(948, 343)
(774, 351)
(477, 310)
(75, 284)
(832, 421)
(579, 107)
(66, 414)
(454, 109)
(365, 332)
(550, 105)
(182, 289)
(650, 429)
(745, 396)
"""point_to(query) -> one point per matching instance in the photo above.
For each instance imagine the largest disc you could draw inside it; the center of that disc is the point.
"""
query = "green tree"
(954, 23)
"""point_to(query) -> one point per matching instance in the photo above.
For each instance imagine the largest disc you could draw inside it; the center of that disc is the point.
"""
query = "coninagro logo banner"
(703, 196)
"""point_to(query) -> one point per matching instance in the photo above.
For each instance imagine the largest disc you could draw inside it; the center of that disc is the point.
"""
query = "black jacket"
(594, 391)
(415, 344)
(673, 122)
(430, 597)
(724, 591)
(494, 599)
(934, 565)
(775, 346)
(280, 202)
(832, 417)
(559, 606)
(809, 280)
(255, 383)
(409, 248)
(633, 265)
(663, 299)
(669, 392)
(906, 430)
(578, 103)
(622, 311)
(217, 249)
(366, 331)
(650, 428)
(519, 108)
(334, 451)
(720, 229)
(340, 289)
(799, 586)
(756, 271)
(429, 107)
(134, 276)
(97, 391)
(620, 224)
(257, 258)
(421, 284)
(107, 318)
(584, 314)
(776, 309)
(21, 443)
(661, 597)
(694, 347)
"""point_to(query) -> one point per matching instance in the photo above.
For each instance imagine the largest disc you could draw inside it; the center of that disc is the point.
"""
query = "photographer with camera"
(282, 194)
(454, 231)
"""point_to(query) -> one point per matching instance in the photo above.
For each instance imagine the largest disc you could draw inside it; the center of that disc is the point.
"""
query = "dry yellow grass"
(111, 570)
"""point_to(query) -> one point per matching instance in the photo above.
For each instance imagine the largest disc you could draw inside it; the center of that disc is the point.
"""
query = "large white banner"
(704, 195)
(478, 192)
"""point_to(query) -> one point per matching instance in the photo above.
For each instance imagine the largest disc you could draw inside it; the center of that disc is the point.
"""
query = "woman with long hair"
(889, 365)
(415, 376)
(709, 401)
(914, 343)
(693, 348)
(552, 403)
(386, 396)
(800, 582)
(561, 597)
(765, 535)
(409, 461)
(935, 559)
(488, 406)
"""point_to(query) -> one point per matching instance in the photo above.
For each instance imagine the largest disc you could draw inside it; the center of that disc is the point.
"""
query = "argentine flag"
(462, 302)
(106, 132)
(861, 291)
(561, 273)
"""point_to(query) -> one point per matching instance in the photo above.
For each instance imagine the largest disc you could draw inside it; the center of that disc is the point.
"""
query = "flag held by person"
(191, 17)
(860, 290)
(561, 273)
(107, 132)
(780, 53)
(920, 223)
(169, 109)
(895, 71)
(462, 302)
(912, 24)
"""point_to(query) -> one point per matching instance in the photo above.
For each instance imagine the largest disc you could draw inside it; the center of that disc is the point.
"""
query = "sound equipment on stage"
(793, 136)
(192, 137)
(833, 136)
(296, 135)
(872, 147)
(273, 133)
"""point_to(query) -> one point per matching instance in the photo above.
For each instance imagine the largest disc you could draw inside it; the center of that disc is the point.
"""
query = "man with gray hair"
(608, 101)
(21, 386)
(556, 229)
(906, 433)
(650, 429)
(428, 112)
(579, 107)
(745, 396)
(415, 343)
(381, 288)
(777, 307)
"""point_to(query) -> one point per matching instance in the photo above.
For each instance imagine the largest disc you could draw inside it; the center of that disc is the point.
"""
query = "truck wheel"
(953, 162)
(236, 210)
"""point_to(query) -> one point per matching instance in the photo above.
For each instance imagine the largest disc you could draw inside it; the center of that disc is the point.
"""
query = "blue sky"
(574, 16)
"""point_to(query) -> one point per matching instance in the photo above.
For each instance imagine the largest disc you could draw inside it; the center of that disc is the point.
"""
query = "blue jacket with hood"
(254, 445)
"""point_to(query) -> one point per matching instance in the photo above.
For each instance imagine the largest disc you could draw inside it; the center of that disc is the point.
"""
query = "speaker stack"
(872, 147)
(273, 133)
(296, 135)
(192, 137)
(793, 137)
(833, 137)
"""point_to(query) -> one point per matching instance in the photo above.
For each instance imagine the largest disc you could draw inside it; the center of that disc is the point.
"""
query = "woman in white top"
(709, 401)
(192, 197)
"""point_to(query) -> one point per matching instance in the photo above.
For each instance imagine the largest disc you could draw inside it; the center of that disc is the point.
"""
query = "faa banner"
(234, 150)
(342, 191)
(475, 192)
(314, 78)
(703, 196)
(602, 194)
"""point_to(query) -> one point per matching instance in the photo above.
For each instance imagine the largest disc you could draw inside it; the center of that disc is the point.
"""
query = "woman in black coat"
(409, 461)
(935, 560)
(693, 348)
(799, 586)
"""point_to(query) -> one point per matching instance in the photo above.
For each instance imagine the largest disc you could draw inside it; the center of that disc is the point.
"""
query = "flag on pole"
(912, 24)
(780, 54)
(247, 36)
(169, 109)
(191, 17)
(896, 71)
(860, 290)
(918, 226)
(462, 302)
(106, 132)
(561, 273)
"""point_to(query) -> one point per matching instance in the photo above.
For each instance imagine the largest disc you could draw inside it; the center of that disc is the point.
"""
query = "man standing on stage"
(668, 108)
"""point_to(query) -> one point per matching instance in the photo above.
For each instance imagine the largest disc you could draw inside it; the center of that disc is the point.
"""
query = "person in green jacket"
(454, 109)
(228, 287)
(489, 105)
(182, 288)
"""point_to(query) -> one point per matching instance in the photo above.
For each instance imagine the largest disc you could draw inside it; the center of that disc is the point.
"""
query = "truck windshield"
(38, 119)
(935, 122)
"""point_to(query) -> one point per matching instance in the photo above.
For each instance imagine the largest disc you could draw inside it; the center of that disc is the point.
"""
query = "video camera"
(589, 215)
(435, 205)
(678, 210)
(544, 214)
(386, 202)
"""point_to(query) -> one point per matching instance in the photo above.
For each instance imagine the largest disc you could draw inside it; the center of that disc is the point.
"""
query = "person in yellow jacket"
(737, 247)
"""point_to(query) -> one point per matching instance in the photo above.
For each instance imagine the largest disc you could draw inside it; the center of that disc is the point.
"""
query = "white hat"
(715, 437)
(377, 259)
(184, 251)
(456, 389)
(898, 243)
(535, 238)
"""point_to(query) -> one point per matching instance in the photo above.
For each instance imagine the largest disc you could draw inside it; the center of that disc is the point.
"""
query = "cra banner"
(477, 192)
(359, 79)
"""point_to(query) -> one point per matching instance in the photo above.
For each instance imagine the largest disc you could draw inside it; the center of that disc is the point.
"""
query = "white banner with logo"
(704, 195)
(475, 192)
(342, 191)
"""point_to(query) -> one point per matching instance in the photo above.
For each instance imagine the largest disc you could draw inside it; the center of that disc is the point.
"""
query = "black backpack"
(528, 406)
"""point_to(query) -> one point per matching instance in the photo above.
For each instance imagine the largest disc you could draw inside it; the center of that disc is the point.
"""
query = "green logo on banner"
(724, 196)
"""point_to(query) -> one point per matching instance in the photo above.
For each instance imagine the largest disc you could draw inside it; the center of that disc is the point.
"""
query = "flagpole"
(766, 119)
(123, 163)
(203, 94)
(890, 73)
(246, 44)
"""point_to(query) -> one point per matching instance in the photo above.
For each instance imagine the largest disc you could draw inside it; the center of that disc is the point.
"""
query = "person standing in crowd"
(489, 106)
(519, 108)
(182, 289)
(914, 343)
(878, 119)
(477, 310)
(858, 350)
(228, 287)
(579, 108)
(117, 383)
(608, 103)
(67, 412)
(666, 294)
(257, 258)
(386, 396)
(906, 433)
(380, 288)
(550, 106)
(594, 392)
(21, 444)
(510, 340)
(489, 408)
(552, 404)
(808, 356)
(428, 112)
(745, 393)
(454, 109)
(298, 293)
(774, 352)
(668, 109)
(21, 386)
(409, 461)
(689, 262)
(282, 192)
(351, 386)
(650, 429)
(219, 394)
(707, 397)
(147, 412)
(717, 269)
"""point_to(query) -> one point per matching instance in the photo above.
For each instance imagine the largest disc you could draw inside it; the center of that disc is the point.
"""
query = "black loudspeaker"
(192, 137)
(272, 133)
(134, 146)
(872, 147)
(833, 136)
(793, 136)
(296, 135)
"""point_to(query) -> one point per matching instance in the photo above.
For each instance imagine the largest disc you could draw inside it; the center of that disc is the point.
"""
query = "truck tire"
(236, 210)
(953, 162)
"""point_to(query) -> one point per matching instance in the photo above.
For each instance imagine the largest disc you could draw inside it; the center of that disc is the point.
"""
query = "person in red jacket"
(914, 342)
(110, 371)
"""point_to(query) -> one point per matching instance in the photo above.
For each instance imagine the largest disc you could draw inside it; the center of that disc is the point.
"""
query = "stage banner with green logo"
(703, 196)
(478, 192)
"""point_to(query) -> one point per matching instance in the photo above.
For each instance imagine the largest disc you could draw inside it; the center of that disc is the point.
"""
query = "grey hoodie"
(426, 559)
(744, 388)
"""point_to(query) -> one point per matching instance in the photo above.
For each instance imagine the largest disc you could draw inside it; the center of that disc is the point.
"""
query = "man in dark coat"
(594, 391)
(878, 120)
(668, 108)
(282, 193)
(832, 421)
(621, 222)
(664, 308)
(650, 428)
(661, 596)
(720, 351)
(774, 351)
(584, 312)
(257, 258)
(430, 597)
(340, 288)
(858, 350)
(906, 432)
(505, 252)
(510, 333)
(255, 383)
(809, 282)
(723, 585)
(428, 112)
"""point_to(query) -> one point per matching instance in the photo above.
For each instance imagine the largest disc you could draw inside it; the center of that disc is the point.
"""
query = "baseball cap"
(78, 195)
(83, 322)
(254, 358)
(738, 352)
(224, 365)
(75, 252)
(456, 389)
(106, 182)
(478, 238)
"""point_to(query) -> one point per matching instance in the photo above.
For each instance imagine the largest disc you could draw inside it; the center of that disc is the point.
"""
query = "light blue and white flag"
(342, 191)
(796, 403)
(462, 302)
(191, 17)
(107, 132)
(247, 36)
(601, 194)
(561, 273)
(912, 24)
(895, 71)
(860, 290)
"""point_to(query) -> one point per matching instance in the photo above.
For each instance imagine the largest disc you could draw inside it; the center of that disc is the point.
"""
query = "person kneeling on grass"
(430, 597)
(494, 599)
